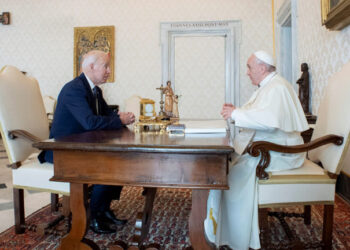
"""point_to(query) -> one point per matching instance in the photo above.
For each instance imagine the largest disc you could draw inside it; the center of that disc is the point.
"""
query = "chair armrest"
(19, 133)
(263, 147)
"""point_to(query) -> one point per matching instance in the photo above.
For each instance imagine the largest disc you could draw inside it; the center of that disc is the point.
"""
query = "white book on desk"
(205, 126)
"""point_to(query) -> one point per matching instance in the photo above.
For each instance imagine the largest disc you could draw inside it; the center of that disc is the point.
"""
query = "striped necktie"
(95, 92)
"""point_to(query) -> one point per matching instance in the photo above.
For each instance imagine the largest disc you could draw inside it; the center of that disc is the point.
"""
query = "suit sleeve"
(76, 102)
(105, 109)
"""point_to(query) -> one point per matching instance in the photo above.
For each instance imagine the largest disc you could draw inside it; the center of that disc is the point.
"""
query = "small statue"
(169, 98)
(176, 107)
(303, 82)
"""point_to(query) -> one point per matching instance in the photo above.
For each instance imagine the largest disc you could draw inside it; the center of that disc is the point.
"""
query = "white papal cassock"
(276, 115)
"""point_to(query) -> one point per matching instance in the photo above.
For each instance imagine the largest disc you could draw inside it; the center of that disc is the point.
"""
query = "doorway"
(201, 59)
(287, 33)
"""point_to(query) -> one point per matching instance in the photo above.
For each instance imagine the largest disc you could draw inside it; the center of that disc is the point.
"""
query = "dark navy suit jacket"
(76, 113)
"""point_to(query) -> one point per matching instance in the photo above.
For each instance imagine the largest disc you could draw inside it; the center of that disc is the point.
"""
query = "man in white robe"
(275, 114)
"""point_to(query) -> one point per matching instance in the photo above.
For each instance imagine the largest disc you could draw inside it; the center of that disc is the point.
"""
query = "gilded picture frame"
(93, 38)
(335, 14)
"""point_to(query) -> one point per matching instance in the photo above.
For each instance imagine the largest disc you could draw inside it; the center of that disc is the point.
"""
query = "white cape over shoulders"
(274, 105)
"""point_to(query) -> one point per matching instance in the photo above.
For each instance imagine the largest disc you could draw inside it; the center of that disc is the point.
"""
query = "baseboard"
(343, 186)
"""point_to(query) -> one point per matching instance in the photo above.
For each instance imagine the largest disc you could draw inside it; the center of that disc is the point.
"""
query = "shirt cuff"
(234, 114)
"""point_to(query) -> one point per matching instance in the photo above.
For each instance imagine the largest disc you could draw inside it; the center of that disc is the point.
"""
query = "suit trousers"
(102, 196)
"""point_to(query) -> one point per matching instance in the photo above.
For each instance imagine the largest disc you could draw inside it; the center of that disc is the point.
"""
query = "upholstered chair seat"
(33, 175)
(288, 186)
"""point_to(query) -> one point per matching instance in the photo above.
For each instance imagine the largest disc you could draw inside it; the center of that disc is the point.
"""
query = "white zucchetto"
(265, 57)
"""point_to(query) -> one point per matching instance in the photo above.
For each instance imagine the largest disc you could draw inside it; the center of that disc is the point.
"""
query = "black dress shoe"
(101, 227)
(110, 217)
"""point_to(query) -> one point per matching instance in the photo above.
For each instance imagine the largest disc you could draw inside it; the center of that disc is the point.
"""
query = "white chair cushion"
(35, 176)
(308, 168)
(302, 193)
(306, 185)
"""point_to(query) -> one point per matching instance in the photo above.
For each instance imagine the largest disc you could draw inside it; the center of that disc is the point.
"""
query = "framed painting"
(93, 38)
(335, 14)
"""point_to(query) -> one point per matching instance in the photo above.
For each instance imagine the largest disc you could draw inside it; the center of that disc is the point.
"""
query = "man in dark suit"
(81, 107)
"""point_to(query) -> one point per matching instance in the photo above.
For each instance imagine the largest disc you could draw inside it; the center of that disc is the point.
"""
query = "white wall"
(324, 50)
(40, 38)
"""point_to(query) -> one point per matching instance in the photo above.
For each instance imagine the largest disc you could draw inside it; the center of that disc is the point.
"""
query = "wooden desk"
(199, 162)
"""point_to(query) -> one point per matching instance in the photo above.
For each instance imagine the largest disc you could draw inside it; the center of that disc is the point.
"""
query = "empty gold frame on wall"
(335, 13)
(93, 38)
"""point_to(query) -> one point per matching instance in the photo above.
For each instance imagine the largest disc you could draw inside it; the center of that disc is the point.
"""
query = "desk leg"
(196, 220)
(147, 212)
(143, 220)
(78, 204)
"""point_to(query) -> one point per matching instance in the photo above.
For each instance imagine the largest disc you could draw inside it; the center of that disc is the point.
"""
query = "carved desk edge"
(263, 147)
(110, 147)
(143, 184)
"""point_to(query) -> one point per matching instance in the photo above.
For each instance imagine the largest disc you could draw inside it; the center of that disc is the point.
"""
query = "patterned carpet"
(169, 225)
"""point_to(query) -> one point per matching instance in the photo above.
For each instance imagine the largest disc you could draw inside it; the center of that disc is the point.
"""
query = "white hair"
(91, 58)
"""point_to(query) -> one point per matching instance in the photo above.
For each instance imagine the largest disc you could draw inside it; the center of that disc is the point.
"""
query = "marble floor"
(33, 200)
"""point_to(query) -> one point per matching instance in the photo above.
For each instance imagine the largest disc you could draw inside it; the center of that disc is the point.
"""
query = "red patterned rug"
(169, 225)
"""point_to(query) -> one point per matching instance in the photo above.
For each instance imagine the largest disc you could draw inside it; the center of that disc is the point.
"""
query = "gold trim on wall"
(324, 10)
(93, 38)
(273, 28)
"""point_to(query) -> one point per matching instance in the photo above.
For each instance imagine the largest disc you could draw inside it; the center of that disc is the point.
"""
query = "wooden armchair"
(23, 120)
(314, 182)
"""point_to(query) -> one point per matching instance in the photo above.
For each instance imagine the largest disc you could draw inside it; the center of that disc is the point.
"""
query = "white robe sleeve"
(243, 119)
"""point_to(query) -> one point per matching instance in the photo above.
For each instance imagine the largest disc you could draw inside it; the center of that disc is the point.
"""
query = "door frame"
(230, 30)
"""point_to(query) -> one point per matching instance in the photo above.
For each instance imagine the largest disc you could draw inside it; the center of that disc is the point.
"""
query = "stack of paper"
(205, 126)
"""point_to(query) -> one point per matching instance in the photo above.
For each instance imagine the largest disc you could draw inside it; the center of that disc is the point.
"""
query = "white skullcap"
(265, 57)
